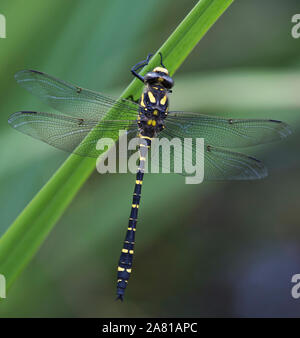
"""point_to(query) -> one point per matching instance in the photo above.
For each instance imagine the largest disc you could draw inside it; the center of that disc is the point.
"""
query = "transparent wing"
(227, 133)
(219, 164)
(71, 99)
(66, 133)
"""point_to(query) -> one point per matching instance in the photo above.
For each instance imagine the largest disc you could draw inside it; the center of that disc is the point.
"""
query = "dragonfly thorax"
(153, 109)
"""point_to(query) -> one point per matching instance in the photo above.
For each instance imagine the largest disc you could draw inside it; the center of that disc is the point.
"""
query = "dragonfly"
(81, 120)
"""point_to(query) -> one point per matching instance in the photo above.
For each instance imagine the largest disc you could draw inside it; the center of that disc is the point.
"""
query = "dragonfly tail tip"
(120, 297)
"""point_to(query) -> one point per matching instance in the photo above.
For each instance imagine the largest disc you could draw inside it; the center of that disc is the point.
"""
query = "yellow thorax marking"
(138, 182)
(155, 112)
(128, 270)
(120, 269)
(151, 122)
(163, 100)
(125, 250)
(142, 100)
(151, 97)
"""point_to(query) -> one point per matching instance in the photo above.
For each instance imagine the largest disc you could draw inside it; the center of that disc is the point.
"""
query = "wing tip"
(20, 73)
(261, 170)
(17, 114)
(11, 118)
(284, 130)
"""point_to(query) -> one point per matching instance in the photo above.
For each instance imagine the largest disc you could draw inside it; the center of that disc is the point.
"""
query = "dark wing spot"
(28, 112)
(36, 71)
(255, 159)
(275, 121)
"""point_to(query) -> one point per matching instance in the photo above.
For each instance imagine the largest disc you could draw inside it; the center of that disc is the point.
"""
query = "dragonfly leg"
(140, 65)
(161, 60)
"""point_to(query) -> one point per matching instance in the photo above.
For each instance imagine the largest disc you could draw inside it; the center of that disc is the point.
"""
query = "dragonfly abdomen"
(126, 258)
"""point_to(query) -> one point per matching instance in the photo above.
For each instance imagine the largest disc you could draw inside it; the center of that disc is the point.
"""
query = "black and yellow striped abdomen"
(126, 258)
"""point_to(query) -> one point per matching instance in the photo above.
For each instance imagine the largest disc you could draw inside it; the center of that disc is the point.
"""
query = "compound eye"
(168, 84)
(151, 77)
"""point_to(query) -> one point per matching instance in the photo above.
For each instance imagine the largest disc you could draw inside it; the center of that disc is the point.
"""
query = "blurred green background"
(217, 249)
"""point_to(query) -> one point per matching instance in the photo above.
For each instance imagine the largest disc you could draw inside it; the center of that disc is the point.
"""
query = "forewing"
(227, 133)
(73, 100)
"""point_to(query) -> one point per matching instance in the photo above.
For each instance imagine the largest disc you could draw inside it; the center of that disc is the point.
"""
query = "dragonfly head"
(159, 75)
(161, 70)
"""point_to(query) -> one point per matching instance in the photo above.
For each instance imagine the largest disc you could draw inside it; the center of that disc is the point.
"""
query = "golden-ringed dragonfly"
(80, 111)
